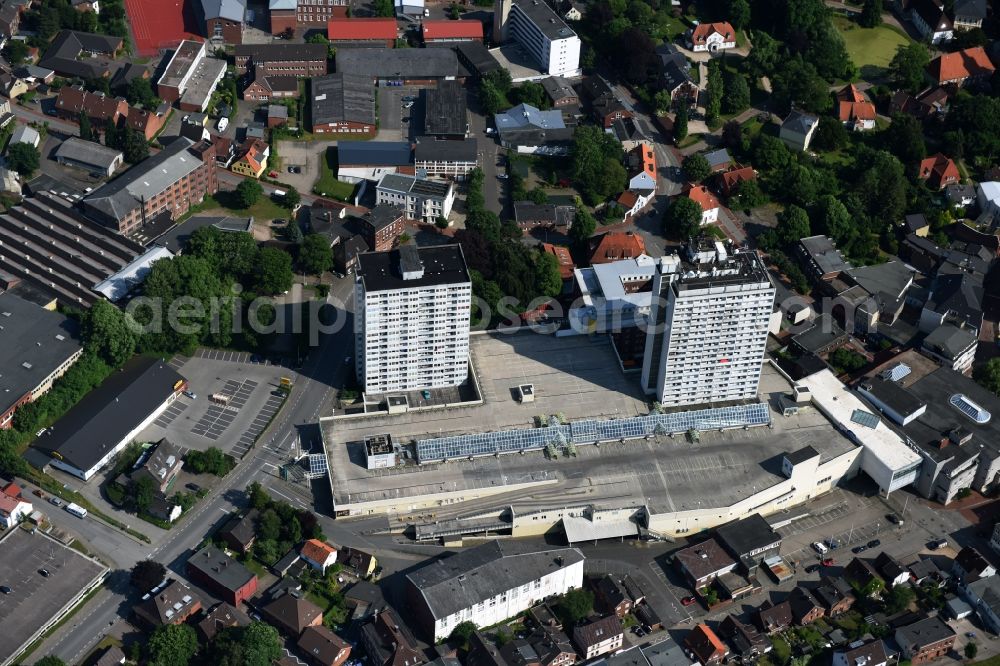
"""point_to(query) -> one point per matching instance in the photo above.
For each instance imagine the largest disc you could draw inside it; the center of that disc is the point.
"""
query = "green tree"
(831, 217)
(907, 67)
(491, 99)
(291, 198)
(662, 102)
(548, 280)
(830, 134)
(747, 195)
(172, 645)
(847, 361)
(11, 462)
(737, 97)
(871, 14)
(799, 185)
(968, 39)
(538, 196)
(383, 8)
(274, 271)
(15, 51)
(50, 660)
(134, 146)
(988, 375)
(259, 499)
(971, 650)
(797, 83)
(899, 598)
(247, 193)
(109, 333)
(793, 225)
(140, 92)
(23, 158)
(463, 632)
(230, 254)
(210, 461)
(596, 163)
(575, 605)
(738, 14)
(904, 138)
(147, 574)
(696, 168)
(714, 91)
(140, 494)
(682, 219)
(530, 93)
(764, 56)
(86, 133)
(583, 227)
(315, 255)
(257, 644)
(293, 232)
(770, 153)
(681, 122)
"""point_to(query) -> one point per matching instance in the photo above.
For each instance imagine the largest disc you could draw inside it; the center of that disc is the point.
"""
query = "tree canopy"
(248, 192)
(109, 333)
(696, 168)
(596, 164)
(682, 219)
(23, 158)
(315, 255)
(172, 645)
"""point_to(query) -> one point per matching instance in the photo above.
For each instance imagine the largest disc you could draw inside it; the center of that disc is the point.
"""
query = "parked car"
(820, 548)
(687, 601)
(272, 174)
(191, 394)
(5, 589)
(970, 634)
(408, 98)
(859, 549)
(812, 568)
(44, 572)
(894, 519)
(874, 543)
(828, 562)
(55, 501)
(38, 493)
(832, 543)
(193, 487)
(938, 544)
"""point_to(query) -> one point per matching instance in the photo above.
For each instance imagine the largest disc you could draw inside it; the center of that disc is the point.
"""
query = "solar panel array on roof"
(864, 418)
(442, 449)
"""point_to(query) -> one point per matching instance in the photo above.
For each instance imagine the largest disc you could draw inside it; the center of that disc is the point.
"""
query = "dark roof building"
(172, 604)
(400, 64)
(107, 419)
(925, 640)
(221, 575)
(64, 54)
(745, 639)
(224, 615)
(322, 647)
(822, 258)
(445, 110)
(835, 595)
(346, 100)
(749, 539)
(598, 637)
(241, 531)
(388, 642)
(292, 614)
(806, 609)
(703, 562)
(374, 154)
(476, 57)
(37, 346)
(773, 618)
(443, 264)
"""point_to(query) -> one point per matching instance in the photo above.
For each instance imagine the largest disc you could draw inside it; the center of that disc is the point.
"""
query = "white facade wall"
(411, 339)
(511, 602)
(117, 448)
(456, 170)
(417, 206)
(558, 57)
(714, 341)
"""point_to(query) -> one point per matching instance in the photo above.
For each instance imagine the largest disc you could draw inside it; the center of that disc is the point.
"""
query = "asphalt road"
(312, 390)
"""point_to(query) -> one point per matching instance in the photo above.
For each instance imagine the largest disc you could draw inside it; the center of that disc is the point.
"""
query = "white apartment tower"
(411, 322)
(541, 32)
(707, 326)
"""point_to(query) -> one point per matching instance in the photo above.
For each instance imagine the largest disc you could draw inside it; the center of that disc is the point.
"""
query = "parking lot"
(249, 385)
(35, 599)
(306, 156)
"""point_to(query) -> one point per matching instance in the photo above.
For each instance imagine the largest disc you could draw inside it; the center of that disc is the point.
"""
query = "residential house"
(388, 643)
(221, 575)
(706, 647)
(291, 614)
(363, 564)
(969, 14)
(563, 257)
(612, 597)
(984, 596)
(772, 618)
(529, 215)
(223, 616)
(606, 104)
(173, 603)
(925, 572)
(961, 195)
(675, 75)
(988, 197)
(970, 565)
(871, 653)
(253, 160)
(10, 18)
(797, 130)
(25, 134)
(702, 196)
(111, 657)
(147, 123)
(642, 167)
(821, 258)
(730, 179)
(703, 562)
(560, 92)
(599, 637)
(893, 573)
(939, 171)
(749, 540)
(446, 158)
(931, 21)
(718, 160)
(84, 55)
(615, 246)
(322, 647)
(925, 640)
(318, 555)
(930, 103)
(631, 132)
(955, 298)
(240, 533)
(861, 573)
(963, 68)
(552, 647)
(746, 640)
(528, 130)
(13, 86)
(952, 346)
(223, 19)
(711, 37)
(13, 506)
(916, 224)
(631, 202)
(854, 109)
(806, 609)
(419, 198)
(98, 107)
(363, 599)
(277, 115)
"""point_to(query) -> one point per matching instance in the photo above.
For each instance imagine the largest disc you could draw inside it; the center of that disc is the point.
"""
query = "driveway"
(306, 155)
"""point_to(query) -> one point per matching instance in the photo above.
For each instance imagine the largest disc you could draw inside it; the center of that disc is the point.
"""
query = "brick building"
(221, 575)
(167, 183)
(343, 104)
(225, 19)
(302, 60)
(363, 32)
(100, 109)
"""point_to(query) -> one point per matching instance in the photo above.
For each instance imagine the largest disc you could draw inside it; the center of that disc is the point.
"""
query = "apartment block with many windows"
(543, 34)
(708, 326)
(412, 310)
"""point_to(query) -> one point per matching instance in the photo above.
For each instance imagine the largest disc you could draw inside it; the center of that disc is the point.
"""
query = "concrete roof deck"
(580, 381)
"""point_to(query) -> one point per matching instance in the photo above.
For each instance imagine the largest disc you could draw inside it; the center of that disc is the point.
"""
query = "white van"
(820, 548)
(76, 510)
(222, 124)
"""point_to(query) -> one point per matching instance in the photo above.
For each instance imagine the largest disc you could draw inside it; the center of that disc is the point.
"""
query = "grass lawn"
(327, 183)
(264, 209)
(873, 47)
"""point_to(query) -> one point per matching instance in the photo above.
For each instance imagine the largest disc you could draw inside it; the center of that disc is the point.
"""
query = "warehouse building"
(97, 160)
